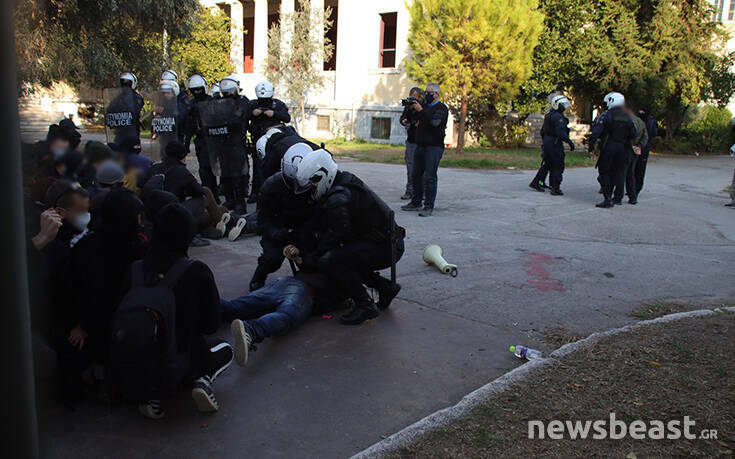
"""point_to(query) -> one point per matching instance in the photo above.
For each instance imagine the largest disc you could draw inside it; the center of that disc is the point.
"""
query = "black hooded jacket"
(197, 297)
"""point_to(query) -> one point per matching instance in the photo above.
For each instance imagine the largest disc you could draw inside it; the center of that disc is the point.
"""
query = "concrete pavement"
(526, 261)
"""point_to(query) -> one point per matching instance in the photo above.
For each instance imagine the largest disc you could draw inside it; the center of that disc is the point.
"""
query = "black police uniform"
(193, 128)
(554, 133)
(259, 125)
(277, 146)
(282, 219)
(354, 241)
(615, 129)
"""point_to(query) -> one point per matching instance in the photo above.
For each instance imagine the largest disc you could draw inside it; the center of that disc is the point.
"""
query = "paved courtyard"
(527, 261)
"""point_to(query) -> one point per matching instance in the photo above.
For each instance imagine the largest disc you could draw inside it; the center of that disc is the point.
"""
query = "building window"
(717, 14)
(322, 122)
(248, 44)
(380, 128)
(731, 12)
(331, 34)
(388, 40)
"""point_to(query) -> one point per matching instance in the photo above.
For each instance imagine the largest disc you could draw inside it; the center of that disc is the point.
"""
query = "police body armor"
(548, 130)
(122, 114)
(619, 128)
(164, 124)
(370, 215)
(223, 126)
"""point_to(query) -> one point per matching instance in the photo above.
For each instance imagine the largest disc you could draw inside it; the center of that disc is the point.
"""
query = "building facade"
(724, 13)
(365, 77)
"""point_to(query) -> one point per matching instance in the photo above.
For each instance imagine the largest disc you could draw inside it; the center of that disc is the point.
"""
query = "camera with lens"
(409, 101)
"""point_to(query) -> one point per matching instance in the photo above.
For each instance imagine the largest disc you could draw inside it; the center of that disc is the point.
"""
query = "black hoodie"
(197, 298)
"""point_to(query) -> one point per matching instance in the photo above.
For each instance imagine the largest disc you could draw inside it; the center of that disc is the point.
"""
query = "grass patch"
(472, 158)
(660, 308)
(559, 336)
(659, 372)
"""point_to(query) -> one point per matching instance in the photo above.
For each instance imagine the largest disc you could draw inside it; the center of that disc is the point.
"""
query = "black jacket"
(432, 124)
(281, 213)
(178, 180)
(408, 119)
(350, 211)
(259, 124)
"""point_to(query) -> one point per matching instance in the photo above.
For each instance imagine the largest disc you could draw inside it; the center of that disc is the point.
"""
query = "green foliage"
(512, 136)
(92, 41)
(206, 52)
(721, 79)
(478, 51)
(710, 129)
(297, 50)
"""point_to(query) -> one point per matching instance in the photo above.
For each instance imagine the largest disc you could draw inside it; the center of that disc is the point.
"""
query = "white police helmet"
(264, 90)
(229, 85)
(316, 173)
(129, 76)
(169, 85)
(196, 81)
(614, 99)
(560, 101)
(263, 140)
(290, 163)
(170, 75)
(215, 90)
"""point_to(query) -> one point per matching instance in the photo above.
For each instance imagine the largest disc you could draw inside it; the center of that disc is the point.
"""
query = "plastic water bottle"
(524, 352)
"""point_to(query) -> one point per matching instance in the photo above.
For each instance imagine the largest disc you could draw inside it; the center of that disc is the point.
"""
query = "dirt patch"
(658, 372)
(660, 308)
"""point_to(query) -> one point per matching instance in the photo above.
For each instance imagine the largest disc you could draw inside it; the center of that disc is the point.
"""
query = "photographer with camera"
(408, 120)
(431, 118)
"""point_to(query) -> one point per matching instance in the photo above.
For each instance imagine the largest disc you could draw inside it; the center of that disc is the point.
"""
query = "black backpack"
(145, 358)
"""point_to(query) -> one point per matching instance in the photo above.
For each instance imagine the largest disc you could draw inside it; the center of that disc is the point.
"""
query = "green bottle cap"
(512, 349)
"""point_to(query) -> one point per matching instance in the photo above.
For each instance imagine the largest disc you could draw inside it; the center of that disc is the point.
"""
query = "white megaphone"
(433, 256)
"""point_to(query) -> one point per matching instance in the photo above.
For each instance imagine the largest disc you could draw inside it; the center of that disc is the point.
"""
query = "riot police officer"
(282, 215)
(225, 121)
(615, 129)
(265, 112)
(273, 145)
(182, 98)
(354, 228)
(554, 133)
(122, 111)
(197, 86)
(215, 92)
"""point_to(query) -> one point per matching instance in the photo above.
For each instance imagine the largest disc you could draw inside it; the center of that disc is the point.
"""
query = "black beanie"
(155, 200)
(120, 210)
(173, 229)
(176, 150)
(55, 132)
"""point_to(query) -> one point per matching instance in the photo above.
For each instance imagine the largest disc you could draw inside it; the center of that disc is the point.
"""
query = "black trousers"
(611, 168)
(556, 167)
(640, 171)
(627, 185)
(270, 260)
(543, 171)
(205, 168)
(352, 263)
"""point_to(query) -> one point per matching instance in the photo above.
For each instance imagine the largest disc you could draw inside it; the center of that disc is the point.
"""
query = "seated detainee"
(280, 307)
(92, 282)
(353, 234)
(151, 379)
(173, 176)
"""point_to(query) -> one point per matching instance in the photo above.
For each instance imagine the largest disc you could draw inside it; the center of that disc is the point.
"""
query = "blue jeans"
(425, 164)
(276, 309)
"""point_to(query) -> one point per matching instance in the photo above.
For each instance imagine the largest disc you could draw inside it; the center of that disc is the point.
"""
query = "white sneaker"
(203, 396)
(243, 341)
(237, 229)
(222, 224)
(152, 410)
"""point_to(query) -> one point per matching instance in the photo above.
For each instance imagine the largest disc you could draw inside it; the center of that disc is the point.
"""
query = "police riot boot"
(240, 193)
(228, 190)
(362, 311)
(617, 201)
(606, 204)
(536, 186)
(556, 191)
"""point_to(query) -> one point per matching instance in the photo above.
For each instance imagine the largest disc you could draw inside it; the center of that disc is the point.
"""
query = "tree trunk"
(165, 47)
(462, 125)
(303, 115)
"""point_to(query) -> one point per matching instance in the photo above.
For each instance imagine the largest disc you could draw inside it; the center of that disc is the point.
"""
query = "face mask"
(81, 221)
(428, 98)
(58, 154)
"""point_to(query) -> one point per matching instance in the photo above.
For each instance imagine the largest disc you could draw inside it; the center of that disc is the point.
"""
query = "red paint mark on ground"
(538, 276)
